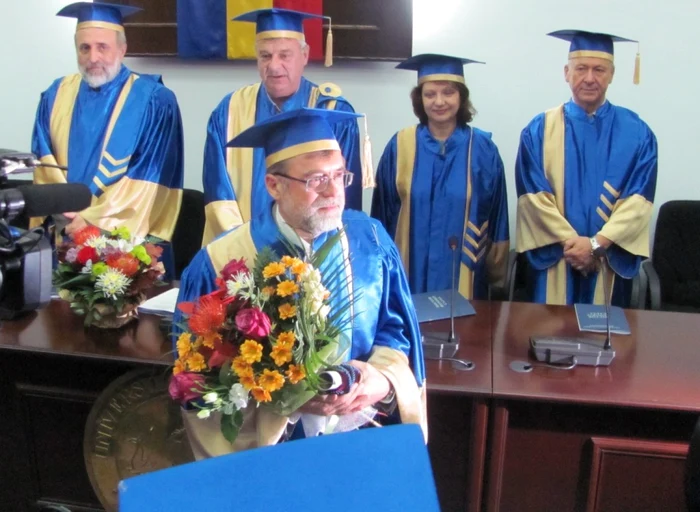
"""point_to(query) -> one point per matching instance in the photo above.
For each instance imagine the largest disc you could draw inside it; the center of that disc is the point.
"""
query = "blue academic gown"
(135, 173)
(610, 168)
(438, 198)
(215, 177)
(384, 313)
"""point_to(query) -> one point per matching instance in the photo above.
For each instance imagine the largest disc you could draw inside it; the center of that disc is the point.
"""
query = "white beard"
(96, 81)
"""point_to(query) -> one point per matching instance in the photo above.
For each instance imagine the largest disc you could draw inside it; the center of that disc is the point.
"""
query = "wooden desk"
(52, 370)
(590, 439)
(458, 412)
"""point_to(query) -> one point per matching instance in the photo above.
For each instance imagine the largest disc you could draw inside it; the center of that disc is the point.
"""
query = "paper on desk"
(161, 305)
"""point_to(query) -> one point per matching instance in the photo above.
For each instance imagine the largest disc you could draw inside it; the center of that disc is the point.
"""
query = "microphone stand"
(444, 345)
(578, 351)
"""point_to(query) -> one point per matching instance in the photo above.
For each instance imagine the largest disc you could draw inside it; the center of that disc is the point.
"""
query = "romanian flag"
(205, 29)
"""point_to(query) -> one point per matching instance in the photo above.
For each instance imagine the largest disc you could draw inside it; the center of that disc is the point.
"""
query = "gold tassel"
(329, 46)
(635, 79)
(367, 163)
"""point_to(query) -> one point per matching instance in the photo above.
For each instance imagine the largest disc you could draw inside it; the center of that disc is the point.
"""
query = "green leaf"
(226, 376)
(231, 425)
(322, 253)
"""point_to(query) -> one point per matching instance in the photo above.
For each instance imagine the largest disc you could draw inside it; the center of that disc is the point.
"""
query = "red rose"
(253, 323)
(182, 384)
(85, 254)
(234, 267)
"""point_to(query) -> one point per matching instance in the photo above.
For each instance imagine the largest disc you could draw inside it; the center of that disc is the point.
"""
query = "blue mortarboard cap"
(432, 67)
(371, 469)
(590, 44)
(276, 23)
(98, 15)
(293, 133)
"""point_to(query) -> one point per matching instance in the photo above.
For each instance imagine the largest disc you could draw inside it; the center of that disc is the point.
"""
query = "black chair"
(189, 229)
(692, 472)
(673, 271)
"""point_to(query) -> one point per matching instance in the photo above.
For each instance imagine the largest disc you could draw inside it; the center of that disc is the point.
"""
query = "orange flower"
(288, 261)
(261, 395)
(127, 263)
(298, 267)
(210, 339)
(281, 354)
(240, 366)
(271, 380)
(208, 316)
(286, 339)
(247, 380)
(286, 288)
(251, 351)
(86, 234)
(196, 363)
(287, 310)
(273, 269)
(184, 344)
(295, 373)
(179, 367)
(268, 291)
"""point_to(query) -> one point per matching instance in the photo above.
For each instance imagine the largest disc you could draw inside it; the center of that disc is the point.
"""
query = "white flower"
(240, 285)
(314, 293)
(238, 396)
(98, 242)
(87, 269)
(210, 398)
(112, 283)
(204, 414)
(121, 244)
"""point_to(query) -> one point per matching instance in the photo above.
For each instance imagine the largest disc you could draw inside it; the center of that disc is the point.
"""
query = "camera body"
(25, 274)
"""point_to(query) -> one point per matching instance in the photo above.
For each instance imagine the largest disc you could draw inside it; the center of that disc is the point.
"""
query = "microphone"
(337, 380)
(577, 351)
(44, 200)
(444, 345)
(15, 162)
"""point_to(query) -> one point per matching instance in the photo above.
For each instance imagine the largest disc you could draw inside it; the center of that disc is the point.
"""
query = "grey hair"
(302, 43)
(121, 38)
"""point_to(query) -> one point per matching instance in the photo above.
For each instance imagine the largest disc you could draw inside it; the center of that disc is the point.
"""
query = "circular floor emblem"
(133, 428)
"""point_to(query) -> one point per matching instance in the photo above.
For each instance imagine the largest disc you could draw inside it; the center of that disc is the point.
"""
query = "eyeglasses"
(320, 183)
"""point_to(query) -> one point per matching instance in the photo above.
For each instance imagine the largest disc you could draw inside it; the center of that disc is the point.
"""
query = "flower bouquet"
(104, 276)
(262, 338)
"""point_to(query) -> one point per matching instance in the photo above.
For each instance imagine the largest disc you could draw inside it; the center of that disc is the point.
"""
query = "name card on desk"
(432, 306)
(161, 305)
(592, 318)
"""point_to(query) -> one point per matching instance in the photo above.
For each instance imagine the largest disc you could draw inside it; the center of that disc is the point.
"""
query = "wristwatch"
(595, 246)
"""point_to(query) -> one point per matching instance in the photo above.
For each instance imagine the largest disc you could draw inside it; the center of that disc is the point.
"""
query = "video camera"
(26, 257)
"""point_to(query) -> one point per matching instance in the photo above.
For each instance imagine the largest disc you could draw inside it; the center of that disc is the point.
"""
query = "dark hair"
(464, 115)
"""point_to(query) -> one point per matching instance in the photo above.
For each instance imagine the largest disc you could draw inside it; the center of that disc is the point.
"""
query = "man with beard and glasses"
(306, 178)
(585, 177)
(234, 178)
(117, 131)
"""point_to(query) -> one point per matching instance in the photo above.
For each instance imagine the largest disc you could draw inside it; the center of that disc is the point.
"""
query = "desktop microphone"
(577, 351)
(444, 345)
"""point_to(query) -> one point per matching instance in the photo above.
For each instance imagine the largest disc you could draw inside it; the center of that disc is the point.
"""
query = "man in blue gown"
(117, 131)
(585, 177)
(441, 179)
(306, 177)
(234, 178)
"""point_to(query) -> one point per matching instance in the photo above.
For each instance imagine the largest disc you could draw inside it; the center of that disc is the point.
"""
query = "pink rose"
(253, 322)
(234, 267)
(182, 384)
